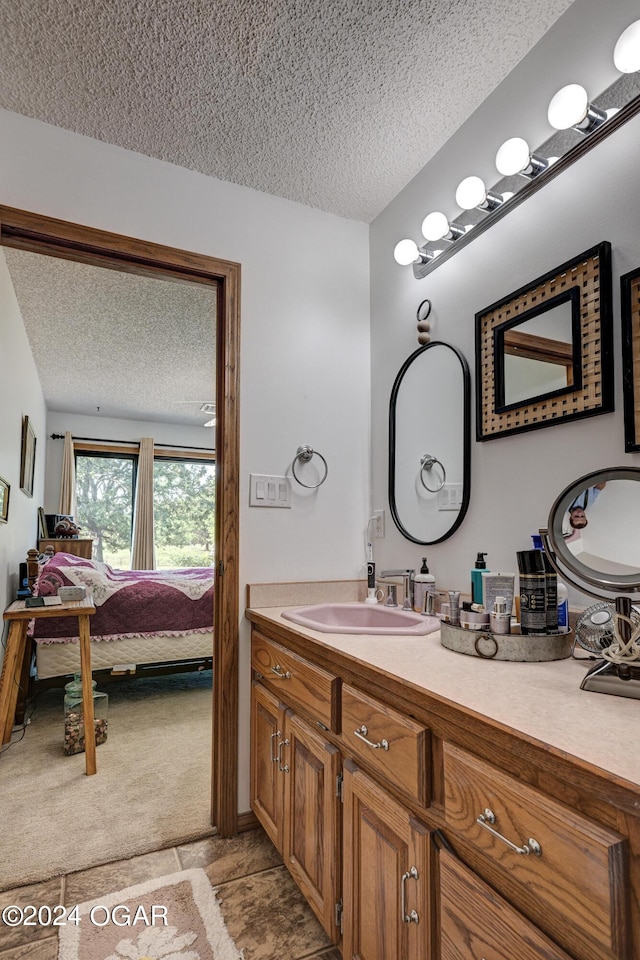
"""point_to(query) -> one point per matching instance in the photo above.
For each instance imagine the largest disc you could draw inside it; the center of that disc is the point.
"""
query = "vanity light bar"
(570, 108)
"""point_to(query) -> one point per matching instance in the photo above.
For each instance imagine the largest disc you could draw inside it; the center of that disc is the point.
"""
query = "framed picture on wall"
(4, 500)
(27, 457)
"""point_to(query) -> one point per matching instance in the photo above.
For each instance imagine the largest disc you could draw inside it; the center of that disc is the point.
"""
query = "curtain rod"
(173, 446)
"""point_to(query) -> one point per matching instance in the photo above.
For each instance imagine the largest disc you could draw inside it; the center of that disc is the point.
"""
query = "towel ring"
(427, 462)
(304, 454)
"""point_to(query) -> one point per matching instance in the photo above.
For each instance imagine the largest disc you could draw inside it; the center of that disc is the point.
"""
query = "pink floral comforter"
(129, 603)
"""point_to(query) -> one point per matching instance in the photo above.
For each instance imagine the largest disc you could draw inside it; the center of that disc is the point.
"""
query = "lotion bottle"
(476, 578)
(424, 582)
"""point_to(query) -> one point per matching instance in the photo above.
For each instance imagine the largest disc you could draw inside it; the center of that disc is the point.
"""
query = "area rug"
(171, 918)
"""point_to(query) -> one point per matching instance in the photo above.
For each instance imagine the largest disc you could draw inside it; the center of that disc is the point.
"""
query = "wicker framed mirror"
(545, 352)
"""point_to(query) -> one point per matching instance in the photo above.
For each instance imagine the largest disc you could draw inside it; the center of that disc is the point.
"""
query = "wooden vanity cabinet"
(318, 809)
(420, 874)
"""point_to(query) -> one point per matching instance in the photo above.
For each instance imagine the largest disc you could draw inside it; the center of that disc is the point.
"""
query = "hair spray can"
(533, 591)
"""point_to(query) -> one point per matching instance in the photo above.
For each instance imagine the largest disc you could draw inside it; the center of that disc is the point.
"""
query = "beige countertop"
(540, 700)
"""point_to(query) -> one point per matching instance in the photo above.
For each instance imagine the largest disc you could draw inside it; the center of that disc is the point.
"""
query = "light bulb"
(626, 54)
(471, 193)
(435, 226)
(406, 252)
(513, 156)
(568, 107)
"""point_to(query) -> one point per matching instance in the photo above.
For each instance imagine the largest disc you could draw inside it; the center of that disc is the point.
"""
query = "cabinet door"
(267, 744)
(311, 834)
(387, 875)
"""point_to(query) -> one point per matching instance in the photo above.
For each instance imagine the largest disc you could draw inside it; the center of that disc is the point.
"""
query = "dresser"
(77, 546)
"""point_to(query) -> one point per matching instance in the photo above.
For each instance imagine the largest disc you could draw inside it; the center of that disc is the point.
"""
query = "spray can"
(533, 591)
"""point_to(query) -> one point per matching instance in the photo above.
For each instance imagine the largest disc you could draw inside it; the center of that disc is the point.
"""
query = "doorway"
(58, 238)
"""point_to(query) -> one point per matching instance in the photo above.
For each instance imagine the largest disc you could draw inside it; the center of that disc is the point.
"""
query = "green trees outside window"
(184, 509)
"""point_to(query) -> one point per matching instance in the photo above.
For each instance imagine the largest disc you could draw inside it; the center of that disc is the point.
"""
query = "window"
(184, 508)
(104, 491)
(184, 498)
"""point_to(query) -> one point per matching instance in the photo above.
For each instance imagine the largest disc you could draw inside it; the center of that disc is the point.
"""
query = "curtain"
(68, 505)
(142, 549)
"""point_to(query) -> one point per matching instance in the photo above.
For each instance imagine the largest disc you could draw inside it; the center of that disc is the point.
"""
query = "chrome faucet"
(408, 588)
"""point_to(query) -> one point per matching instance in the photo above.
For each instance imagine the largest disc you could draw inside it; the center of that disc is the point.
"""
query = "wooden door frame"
(59, 238)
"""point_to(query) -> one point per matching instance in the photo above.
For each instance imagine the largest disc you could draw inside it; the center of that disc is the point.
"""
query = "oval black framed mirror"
(590, 531)
(430, 454)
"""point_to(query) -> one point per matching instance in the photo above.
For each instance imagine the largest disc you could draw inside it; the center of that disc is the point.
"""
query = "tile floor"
(264, 911)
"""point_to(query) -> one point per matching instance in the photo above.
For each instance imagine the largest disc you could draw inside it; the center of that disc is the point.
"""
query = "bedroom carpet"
(152, 788)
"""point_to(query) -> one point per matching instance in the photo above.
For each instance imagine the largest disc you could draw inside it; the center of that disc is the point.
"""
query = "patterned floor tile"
(47, 893)
(267, 916)
(110, 877)
(231, 858)
(41, 950)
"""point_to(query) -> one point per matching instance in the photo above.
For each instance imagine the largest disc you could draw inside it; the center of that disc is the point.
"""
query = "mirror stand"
(620, 675)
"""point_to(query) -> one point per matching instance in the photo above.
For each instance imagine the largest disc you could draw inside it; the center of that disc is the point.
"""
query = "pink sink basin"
(362, 618)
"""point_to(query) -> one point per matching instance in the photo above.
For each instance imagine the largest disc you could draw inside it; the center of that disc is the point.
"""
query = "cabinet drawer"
(297, 682)
(564, 871)
(477, 924)
(396, 746)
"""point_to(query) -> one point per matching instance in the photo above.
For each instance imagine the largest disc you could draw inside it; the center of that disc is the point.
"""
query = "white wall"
(305, 334)
(515, 479)
(110, 428)
(20, 395)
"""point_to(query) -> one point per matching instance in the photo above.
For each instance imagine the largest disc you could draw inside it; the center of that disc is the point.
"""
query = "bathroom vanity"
(433, 806)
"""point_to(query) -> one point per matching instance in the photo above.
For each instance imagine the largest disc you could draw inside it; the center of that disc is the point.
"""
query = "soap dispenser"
(476, 578)
(424, 582)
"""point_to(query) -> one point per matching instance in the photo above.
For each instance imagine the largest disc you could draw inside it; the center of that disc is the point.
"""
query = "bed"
(145, 620)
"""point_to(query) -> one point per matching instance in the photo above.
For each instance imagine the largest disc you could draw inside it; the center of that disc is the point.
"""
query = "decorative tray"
(507, 646)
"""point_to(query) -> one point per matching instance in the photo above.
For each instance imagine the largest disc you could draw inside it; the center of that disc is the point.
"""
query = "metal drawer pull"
(411, 874)
(285, 768)
(362, 732)
(273, 735)
(532, 846)
(279, 672)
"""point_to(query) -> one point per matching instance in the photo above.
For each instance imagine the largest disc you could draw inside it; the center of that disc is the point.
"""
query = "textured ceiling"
(134, 347)
(333, 103)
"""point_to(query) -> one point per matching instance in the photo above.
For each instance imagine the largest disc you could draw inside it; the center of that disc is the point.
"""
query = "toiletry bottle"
(563, 607)
(500, 617)
(533, 591)
(454, 608)
(476, 578)
(424, 582)
(551, 578)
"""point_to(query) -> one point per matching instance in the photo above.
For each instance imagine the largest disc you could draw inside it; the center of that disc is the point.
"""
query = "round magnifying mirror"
(593, 530)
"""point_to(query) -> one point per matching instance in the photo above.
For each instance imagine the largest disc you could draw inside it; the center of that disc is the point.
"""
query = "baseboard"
(247, 821)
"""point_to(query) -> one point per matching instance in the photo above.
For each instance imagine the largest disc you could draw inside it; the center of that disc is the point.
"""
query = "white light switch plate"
(450, 497)
(266, 491)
